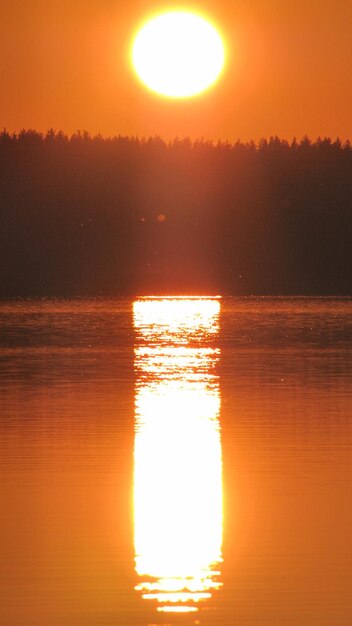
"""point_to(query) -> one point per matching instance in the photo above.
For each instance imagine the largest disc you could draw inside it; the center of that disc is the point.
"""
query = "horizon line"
(52, 133)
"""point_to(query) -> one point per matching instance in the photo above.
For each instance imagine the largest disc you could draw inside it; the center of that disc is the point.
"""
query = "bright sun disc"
(178, 54)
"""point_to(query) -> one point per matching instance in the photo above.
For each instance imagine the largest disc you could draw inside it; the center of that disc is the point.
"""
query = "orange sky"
(64, 64)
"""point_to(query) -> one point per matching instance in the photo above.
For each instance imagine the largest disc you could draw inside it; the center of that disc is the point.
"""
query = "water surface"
(235, 410)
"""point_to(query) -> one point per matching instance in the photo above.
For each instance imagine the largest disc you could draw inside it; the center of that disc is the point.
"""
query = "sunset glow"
(178, 54)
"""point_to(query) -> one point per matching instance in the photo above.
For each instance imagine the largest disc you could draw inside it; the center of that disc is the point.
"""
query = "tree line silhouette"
(86, 215)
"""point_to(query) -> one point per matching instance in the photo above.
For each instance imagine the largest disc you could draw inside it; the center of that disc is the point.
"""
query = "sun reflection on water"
(177, 453)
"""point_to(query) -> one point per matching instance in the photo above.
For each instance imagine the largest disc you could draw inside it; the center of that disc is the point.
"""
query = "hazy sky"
(64, 64)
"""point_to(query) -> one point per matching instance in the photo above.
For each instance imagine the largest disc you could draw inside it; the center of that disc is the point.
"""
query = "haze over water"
(164, 453)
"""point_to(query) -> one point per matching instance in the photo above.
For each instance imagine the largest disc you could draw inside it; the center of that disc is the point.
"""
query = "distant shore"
(88, 216)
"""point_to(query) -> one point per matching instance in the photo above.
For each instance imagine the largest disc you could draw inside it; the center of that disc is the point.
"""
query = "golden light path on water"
(177, 453)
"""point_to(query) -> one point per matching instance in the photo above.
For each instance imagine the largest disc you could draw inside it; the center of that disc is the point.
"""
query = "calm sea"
(176, 461)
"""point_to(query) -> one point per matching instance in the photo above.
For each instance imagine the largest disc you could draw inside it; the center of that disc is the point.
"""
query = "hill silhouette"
(85, 215)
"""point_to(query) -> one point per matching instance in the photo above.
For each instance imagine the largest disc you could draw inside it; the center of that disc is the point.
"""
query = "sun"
(178, 54)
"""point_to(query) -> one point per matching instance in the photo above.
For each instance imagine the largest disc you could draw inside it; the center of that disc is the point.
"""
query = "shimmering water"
(176, 462)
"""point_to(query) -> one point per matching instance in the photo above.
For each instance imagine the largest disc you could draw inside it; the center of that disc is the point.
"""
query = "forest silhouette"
(90, 216)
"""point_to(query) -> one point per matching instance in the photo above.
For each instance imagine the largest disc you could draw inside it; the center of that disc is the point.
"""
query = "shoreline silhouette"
(94, 216)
